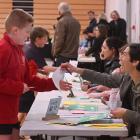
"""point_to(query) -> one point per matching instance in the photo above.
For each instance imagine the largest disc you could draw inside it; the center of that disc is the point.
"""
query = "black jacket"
(95, 49)
(90, 27)
(118, 29)
(111, 65)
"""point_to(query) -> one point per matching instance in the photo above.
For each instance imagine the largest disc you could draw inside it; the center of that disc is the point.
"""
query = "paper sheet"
(82, 107)
(93, 117)
(109, 125)
(57, 76)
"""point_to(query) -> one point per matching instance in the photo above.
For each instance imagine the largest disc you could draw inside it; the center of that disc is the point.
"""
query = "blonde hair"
(102, 16)
(116, 12)
(18, 18)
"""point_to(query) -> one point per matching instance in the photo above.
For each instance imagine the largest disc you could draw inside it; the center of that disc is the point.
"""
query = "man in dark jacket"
(91, 26)
(66, 39)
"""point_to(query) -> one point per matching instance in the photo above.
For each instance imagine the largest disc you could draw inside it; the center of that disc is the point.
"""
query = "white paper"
(82, 58)
(57, 76)
(74, 63)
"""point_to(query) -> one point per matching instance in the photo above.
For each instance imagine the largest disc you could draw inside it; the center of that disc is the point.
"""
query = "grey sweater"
(129, 93)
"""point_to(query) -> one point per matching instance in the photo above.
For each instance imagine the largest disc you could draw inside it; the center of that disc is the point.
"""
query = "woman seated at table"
(100, 32)
(110, 55)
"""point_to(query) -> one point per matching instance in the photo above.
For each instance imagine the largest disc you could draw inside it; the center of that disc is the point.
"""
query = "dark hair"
(18, 18)
(114, 42)
(92, 12)
(134, 53)
(103, 30)
(38, 32)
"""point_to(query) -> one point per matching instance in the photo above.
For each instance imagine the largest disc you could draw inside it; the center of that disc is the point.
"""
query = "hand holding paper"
(68, 67)
(58, 77)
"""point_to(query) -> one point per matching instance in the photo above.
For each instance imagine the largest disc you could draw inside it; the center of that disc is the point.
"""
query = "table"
(86, 59)
(34, 125)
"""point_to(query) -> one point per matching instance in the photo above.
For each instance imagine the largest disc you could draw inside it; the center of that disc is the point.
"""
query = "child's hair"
(38, 32)
(18, 18)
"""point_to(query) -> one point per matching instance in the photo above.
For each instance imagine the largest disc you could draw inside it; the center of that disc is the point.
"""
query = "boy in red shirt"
(15, 78)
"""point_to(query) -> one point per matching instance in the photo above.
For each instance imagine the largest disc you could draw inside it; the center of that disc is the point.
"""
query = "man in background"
(66, 39)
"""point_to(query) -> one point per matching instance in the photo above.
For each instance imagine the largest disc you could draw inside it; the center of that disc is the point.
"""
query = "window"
(26, 5)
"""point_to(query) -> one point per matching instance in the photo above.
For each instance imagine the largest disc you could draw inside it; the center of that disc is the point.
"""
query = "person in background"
(66, 38)
(129, 84)
(15, 78)
(110, 56)
(102, 19)
(92, 24)
(100, 32)
(117, 26)
(84, 45)
(33, 52)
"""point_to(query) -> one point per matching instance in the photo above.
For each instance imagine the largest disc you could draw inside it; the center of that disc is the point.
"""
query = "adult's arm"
(112, 81)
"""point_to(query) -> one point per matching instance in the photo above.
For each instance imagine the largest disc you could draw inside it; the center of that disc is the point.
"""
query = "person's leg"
(5, 137)
(15, 131)
(21, 117)
(5, 132)
(15, 134)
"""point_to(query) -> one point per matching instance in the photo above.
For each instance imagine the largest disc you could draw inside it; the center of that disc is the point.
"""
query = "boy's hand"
(65, 85)
(26, 88)
(68, 67)
(118, 112)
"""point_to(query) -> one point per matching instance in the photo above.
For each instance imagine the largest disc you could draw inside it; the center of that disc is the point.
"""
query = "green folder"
(83, 107)
(94, 117)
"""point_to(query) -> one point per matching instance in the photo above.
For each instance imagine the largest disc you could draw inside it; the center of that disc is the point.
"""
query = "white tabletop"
(34, 125)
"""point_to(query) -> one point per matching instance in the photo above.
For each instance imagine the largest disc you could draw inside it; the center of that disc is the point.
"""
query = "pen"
(71, 94)
(78, 113)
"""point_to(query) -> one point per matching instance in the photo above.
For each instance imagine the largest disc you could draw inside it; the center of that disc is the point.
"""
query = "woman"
(110, 53)
(100, 35)
(117, 26)
(110, 56)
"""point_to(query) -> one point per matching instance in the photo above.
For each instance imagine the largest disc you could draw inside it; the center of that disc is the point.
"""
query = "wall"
(129, 10)
(5, 8)
(45, 11)
(119, 5)
(135, 21)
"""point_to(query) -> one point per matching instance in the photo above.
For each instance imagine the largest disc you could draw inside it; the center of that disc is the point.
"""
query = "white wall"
(135, 21)
(130, 13)
(119, 5)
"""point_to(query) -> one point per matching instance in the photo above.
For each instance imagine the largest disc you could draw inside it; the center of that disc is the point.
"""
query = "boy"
(15, 79)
